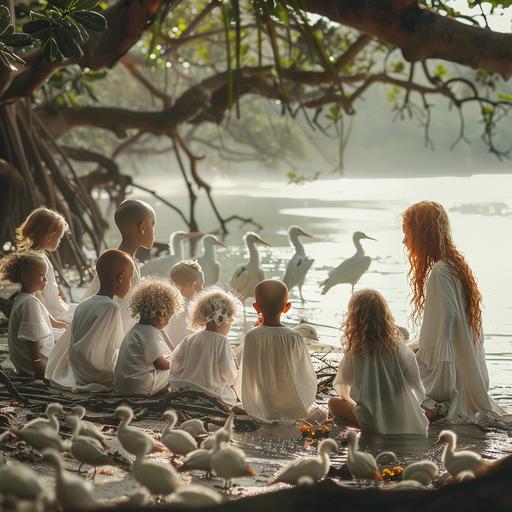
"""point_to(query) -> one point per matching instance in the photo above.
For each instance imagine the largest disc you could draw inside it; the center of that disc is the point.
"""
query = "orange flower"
(305, 428)
(398, 470)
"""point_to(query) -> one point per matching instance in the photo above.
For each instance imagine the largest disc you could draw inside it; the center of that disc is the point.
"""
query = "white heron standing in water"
(299, 264)
(248, 275)
(162, 265)
(208, 260)
(350, 270)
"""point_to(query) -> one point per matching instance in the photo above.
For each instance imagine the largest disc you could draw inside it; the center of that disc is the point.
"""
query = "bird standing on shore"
(350, 270)
(299, 264)
(247, 276)
(208, 260)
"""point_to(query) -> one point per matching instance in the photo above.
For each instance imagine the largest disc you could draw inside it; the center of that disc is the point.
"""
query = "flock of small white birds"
(247, 275)
(216, 455)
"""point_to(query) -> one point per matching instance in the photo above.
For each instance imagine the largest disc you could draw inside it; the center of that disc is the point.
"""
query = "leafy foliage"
(10, 39)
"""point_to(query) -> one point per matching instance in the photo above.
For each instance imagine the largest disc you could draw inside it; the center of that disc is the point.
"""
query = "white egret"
(162, 265)
(299, 264)
(423, 471)
(208, 260)
(247, 276)
(350, 270)
(360, 464)
(87, 428)
(179, 442)
(50, 421)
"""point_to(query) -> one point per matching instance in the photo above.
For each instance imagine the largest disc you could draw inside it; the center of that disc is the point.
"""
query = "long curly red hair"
(369, 324)
(428, 239)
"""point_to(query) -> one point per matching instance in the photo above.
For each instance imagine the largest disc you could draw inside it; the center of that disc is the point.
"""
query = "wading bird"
(350, 270)
(299, 264)
(208, 260)
(162, 265)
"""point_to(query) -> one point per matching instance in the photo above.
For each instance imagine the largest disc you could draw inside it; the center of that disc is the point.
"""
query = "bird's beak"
(218, 242)
(195, 234)
(438, 443)
(303, 233)
(262, 242)
(370, 238)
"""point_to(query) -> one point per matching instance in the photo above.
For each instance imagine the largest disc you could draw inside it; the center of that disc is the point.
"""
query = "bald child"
(276, 381)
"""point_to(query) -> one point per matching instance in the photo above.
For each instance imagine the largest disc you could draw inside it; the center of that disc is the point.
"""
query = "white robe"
(387, 388)
(135, 373)
(96, 333)
(58, 368)
(451, 362)
(28, 323)
(276, 380)
(49, 296)
(178, 327)
(205, 361)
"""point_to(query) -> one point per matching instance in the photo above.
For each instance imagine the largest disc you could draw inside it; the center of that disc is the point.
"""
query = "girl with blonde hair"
(42, 231)
(378, 378)
(445, 296)
(204, 360)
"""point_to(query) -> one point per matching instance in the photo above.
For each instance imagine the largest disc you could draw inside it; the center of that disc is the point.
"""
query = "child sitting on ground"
(276, 379)
(143, 363)
(204, 360)
(96, 331)
(42, 231)
(30, 336)
(378, 378)
(188, 277)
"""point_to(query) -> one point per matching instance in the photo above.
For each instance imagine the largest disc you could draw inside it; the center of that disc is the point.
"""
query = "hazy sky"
(499, 21)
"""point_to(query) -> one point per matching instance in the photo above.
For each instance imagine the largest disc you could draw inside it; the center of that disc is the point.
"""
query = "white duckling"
(50, 421)
(194, 427)
(209, 442)
(71, 491)
(228, 462)
(87, 450)
(179, 442)
(360, 464)
(40, 438)
(208, 260)
(313, 467)
(158, 478)
(87, 428)
(385, 458)
(133, 439)
(195, 496)
(248, 275)
(457, 461)
(20, 481)
(423, 471)
(199, 460)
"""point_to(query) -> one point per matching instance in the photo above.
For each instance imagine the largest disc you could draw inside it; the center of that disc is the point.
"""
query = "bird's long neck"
(296, 242)
(254, 255)
(54, 422)
(75, 430)
(177, 247)
(449, 448)
(209, 252)
(171, 421)
(325, 460)
(359, 247)
(125, 421)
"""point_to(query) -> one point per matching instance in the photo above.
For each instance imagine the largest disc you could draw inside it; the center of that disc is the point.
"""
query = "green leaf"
(5, 18)
(32, 27)
(50, 50)
(61, 4)
(90, 20)
(505, 96)
(85, 5)
(67, 44)
(17, 40)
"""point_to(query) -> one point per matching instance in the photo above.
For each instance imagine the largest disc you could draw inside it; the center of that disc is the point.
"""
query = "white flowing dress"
(178, 327)
(58, 369)
(451, 362)
(276, 380)
(205, 361)
(135, 372)
(387, 388)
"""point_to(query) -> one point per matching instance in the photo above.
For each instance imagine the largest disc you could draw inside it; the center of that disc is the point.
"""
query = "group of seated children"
(180, 340)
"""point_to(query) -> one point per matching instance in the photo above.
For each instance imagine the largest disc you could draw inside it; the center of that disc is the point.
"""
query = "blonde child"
(42, 231)
(276, 379)
(204, 360)
(143, 365)
(188, 277)
(378, 378)
(30, 335)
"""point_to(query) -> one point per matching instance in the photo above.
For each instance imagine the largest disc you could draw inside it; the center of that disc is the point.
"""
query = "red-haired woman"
(445, 296)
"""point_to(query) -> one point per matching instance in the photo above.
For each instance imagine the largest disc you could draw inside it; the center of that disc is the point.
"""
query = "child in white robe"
(96, 331)
(143, 365)
(378, 378)
(204, 360)
(42, 231)
(30, 334)
(136, 223)
(276, 379)
(188, 277)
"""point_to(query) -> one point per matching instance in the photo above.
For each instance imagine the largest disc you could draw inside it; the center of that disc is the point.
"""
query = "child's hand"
(60, 324)
(62, 294)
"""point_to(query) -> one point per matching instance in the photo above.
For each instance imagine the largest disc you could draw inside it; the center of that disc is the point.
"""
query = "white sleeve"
(34, 325)
(344, 378)
(153, 349)
(411, 372)
(228, 368)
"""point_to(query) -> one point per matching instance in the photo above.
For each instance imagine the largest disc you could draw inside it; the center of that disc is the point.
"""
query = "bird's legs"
(300, 293)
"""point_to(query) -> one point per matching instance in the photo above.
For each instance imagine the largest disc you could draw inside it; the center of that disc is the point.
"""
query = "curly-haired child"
(30, 336)
(143, 364)
(204, 360)
(42, 231)
(378, 378)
